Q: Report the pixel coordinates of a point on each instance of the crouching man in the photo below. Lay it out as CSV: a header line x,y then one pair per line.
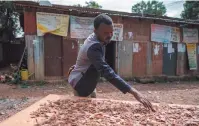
x,y
90,64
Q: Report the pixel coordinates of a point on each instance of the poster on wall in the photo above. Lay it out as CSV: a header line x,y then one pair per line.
x,y
181,47
81,27
160,33
175,34
52,23
156,49
135,47
117,32
170,48
190,35
191,50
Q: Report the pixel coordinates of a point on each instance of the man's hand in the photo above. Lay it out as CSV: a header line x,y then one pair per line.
x,y
141,99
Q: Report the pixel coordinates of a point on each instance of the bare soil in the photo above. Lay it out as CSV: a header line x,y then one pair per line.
x,y
14,98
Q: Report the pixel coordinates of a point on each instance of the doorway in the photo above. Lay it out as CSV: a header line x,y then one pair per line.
x,y
110,54
170,59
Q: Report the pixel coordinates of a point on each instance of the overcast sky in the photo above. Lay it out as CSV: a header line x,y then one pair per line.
x,y
174,7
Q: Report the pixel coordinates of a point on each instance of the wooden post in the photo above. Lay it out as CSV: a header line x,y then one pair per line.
x,y
39,58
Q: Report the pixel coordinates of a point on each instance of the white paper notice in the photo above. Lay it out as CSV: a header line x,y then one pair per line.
x,y
135,47
170,49
156,49
181,47
130,35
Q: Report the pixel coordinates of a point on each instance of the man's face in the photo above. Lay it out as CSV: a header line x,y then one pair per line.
x,y
104,33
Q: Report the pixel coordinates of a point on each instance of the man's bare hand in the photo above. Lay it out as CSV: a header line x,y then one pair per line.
x,y
142,99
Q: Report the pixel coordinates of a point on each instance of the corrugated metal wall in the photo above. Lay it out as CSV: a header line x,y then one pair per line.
x,y
140,31
59,52
125,58
147,61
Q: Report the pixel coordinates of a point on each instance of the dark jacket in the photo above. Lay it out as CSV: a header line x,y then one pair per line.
x,y
90,65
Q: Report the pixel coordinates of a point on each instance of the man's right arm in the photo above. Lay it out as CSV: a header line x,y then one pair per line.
x,y
95,55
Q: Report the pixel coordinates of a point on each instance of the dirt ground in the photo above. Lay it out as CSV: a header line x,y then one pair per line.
x,y
14,98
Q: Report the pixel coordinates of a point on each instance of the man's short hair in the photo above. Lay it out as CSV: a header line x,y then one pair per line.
x,y
102,19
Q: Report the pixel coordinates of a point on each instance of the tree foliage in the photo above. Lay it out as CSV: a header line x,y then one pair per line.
x,y
93,4
78,5
8,19
151,7
90,4
191,10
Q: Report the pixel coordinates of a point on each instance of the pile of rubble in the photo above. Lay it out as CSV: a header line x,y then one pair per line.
x,y
88,112
9,75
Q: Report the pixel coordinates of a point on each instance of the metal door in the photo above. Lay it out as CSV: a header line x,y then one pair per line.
x,y
125,58
53,55
139,59
169,59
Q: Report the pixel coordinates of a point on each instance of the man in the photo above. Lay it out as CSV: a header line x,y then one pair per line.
x,y
90,64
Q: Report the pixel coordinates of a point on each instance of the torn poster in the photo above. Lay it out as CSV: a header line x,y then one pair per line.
x,y
135,47
130,35
156,49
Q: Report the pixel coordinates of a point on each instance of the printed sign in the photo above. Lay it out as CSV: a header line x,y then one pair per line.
x,y
175,34
181,47
52,23
191,50
190,35
160,33
117,32
81,27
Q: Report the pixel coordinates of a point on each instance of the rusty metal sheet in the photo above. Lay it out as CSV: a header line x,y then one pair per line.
x,y
30,27
139,59
140,29
157,58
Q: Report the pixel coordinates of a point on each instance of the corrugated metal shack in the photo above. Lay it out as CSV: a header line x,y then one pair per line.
x,y
145,48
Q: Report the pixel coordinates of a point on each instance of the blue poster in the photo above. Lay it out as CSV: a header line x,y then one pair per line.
x,y
160,33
